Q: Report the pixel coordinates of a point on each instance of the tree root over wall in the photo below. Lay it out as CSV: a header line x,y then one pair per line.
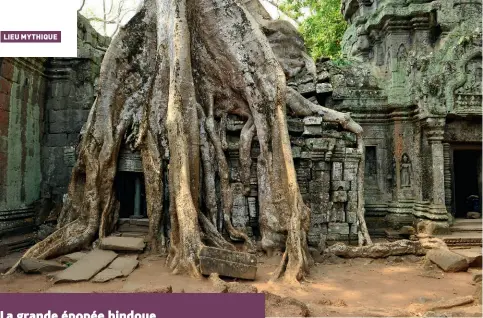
x,y
168,80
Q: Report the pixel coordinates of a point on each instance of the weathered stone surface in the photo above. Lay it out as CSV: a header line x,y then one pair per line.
x,y
32,265
324,88
432,228
472,255
72,258
120,267
447,260
86,267
453,302
130,244
477,277
432,242
228,263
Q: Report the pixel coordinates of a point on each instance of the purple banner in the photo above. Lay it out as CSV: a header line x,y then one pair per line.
x,y
125,305
30,37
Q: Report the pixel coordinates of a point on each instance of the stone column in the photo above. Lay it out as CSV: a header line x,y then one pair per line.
x,y
435,132
137,199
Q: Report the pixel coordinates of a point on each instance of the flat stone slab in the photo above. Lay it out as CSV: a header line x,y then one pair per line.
x,y
120,267
228,263
32,265
448,260
72,257
123,243
86,267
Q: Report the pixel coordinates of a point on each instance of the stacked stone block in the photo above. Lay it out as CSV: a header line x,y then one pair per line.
x,y
326,163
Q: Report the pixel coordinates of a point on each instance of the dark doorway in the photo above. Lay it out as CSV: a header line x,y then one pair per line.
x,y
467,180
125,185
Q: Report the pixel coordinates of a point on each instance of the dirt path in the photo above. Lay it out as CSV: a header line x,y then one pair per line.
x,y
398,286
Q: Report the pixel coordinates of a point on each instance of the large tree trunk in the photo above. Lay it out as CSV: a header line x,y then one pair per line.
x,y
168,81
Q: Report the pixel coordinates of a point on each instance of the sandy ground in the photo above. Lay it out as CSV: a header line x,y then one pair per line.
x,y
397,286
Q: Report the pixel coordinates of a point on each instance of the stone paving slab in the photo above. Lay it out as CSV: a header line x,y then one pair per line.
x,y
123,243
120,267
86,267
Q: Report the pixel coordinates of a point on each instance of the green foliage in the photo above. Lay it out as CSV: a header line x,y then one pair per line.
x,y
320,23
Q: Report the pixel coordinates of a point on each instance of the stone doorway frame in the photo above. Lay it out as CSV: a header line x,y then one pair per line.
x,y
449,171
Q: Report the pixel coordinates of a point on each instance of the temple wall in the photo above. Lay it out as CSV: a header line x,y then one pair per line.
x,y
43,105
22,92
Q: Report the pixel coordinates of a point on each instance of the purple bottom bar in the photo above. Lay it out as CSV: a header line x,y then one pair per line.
x,y
133,305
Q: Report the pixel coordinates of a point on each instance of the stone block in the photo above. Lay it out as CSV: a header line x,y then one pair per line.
x,y
295,125
324,88
340,186
296,152
339,196
313,130
337,171
337,213
432,228
448,260
352,196
306,88
321,166
130,244
472,255
228,263
323,76
313,121
351,216
32,265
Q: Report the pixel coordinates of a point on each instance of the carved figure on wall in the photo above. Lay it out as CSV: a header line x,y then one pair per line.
x,y
406,171
402,56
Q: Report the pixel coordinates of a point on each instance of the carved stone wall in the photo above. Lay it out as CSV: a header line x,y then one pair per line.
x,y
413,79
43,105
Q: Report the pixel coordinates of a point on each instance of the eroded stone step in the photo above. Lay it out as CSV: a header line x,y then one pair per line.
x,y
123,243
467,221
464,238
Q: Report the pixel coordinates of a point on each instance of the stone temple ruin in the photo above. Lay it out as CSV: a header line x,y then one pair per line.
x,y
411,78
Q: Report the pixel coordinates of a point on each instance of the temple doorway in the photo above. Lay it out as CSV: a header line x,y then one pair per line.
x,y
130,192
467,181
